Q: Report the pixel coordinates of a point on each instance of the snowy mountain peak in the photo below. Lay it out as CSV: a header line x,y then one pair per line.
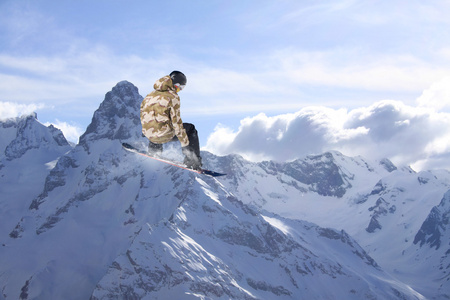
x,y
388,165
117,118
22,134
29,150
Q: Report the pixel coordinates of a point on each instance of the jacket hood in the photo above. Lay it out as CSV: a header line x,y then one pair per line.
x,y
164,84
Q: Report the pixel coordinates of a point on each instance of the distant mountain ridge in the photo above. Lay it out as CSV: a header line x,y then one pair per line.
x,y
20,135
97,222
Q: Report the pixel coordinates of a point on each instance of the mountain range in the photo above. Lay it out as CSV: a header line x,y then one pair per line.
x,y
93,221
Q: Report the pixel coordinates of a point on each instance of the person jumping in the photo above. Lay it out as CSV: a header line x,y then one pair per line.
x,y
161,120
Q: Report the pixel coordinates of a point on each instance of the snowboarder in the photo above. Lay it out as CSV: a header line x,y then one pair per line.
x,y
161,120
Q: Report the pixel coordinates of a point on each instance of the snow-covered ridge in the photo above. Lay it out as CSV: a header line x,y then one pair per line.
x,y
109,224
22,134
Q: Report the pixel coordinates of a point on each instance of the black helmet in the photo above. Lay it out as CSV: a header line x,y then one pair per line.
x,y
178,77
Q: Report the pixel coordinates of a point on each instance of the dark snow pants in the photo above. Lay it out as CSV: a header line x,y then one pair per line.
x,y
194,144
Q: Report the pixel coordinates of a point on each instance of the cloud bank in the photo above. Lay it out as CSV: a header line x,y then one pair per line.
x,y
418,136
13,110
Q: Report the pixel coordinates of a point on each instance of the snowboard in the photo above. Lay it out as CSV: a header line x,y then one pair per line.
x,y
130,148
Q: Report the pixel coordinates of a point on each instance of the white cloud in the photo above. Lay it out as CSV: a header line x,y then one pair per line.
x,y
209,81
283,74
13,110
355,69
69,77
72,132
407,135
437,96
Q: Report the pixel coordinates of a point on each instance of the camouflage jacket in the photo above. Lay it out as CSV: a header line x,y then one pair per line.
x,y
160,114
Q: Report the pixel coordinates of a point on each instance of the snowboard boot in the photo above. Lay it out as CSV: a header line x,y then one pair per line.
x,y
155,150
194,163
191,160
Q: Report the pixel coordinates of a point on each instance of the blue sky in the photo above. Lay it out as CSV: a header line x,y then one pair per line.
x,y
250,65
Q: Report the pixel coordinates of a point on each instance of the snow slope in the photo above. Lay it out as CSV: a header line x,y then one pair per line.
x,y
214,247
28,151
